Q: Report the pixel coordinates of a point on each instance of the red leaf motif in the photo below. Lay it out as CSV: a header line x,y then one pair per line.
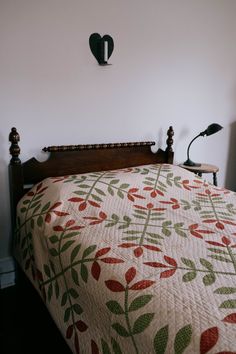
x,y
193,227
150,205
114,285
226,241
102,215
142,284
94,348
138,252
81,326
58,228
152,248
130,274
170,261
156,264
196,234
96,270
153,194
140,207
127,245
96,205
70,223
48,218
111,260
130,197
60,213
209,339
69,332
219,225
176,206
82,206
55,206
76,342
214,243
75,200
230,318
132,190
168,273
147,188
102,251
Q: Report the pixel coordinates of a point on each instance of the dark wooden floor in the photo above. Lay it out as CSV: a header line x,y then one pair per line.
x,y
25,328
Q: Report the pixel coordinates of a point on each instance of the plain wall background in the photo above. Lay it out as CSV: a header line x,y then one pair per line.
x,y
173,64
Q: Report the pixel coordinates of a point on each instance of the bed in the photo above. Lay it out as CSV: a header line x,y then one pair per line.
x,y
129,253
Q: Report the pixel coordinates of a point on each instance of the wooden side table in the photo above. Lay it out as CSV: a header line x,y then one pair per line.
x,y
204,168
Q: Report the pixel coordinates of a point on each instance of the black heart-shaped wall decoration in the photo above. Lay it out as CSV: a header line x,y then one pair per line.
x,y
98,47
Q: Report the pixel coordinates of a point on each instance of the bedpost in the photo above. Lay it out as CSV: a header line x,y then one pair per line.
x,y
15,173
169,143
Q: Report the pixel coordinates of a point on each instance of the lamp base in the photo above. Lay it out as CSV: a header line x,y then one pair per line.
x,y
189,162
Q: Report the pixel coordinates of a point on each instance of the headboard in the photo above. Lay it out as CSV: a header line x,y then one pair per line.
x,y
74,159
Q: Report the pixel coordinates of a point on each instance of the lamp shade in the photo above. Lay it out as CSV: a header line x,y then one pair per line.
x,y
211,129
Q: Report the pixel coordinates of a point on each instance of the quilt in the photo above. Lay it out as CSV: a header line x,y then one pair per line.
x,y
139,260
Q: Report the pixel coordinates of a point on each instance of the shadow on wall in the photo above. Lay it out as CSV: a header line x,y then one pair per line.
x,y
230,180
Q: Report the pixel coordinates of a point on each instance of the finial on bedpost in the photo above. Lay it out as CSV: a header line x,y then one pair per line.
x,y
169,141
14,137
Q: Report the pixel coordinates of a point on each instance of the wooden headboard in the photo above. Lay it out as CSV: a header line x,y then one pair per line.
x,y
75,159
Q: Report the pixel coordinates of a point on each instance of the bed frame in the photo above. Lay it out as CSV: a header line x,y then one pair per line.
x,y
75,159
66,160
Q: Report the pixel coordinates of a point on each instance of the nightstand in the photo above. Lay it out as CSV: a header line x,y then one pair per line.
x,y
204,168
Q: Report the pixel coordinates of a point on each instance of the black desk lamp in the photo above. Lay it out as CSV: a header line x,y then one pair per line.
x,y
211,129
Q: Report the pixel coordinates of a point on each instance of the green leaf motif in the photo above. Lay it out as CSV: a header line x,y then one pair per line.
x,y
53,252
120,330
206,264
161,340
120,194
105,347
64,299
67,245
182,339
115,346
139,302
57,289
47,270
209,279
189,276
73,293
115,307
99,191
84,273
89,250
53,239
50,292
225,290
75,276
40,221
77,308
228,304
188,263
46,206
67,314
142,323
220,258
75,252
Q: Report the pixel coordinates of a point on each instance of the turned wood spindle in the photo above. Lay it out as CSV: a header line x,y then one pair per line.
x,y
14,149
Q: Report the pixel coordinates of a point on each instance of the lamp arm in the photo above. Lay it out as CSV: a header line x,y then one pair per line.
x,y
191,144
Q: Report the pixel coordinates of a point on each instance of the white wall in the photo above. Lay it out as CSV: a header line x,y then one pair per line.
x,y
173,64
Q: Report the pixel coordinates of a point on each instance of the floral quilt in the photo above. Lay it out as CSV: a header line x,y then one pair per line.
x,y
140,260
